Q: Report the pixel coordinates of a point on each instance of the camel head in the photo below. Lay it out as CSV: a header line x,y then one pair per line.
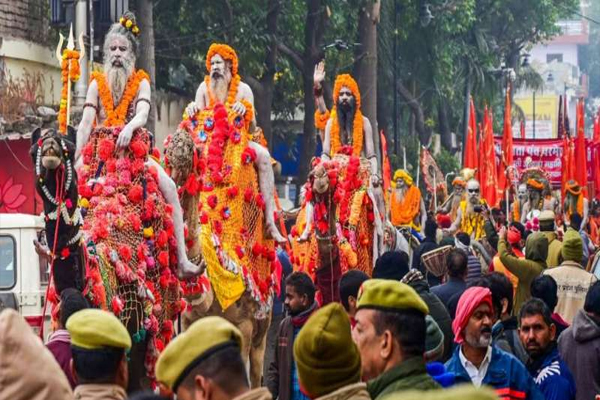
x,y
55,147
179,155
323,177
320,179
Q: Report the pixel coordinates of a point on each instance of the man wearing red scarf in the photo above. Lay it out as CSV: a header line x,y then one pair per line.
x,y
514,237
475,360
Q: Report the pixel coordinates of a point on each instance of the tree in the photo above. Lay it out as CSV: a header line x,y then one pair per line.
x,y
146,62
366,66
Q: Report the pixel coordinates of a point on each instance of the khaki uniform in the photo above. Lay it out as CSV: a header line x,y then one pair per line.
x,y
261,393
100,392
554,248
573,284
355,391
28,371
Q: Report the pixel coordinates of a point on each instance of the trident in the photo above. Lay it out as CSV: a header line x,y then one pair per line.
x,y
70,46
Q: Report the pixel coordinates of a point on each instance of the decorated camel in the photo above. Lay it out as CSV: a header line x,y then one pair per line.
x,y
337,229
224,173
216,173
130,236
339,226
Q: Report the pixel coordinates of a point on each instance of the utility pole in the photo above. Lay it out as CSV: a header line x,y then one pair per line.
x,y
395,76
466,114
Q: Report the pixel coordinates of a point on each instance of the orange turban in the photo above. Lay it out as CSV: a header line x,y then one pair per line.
x,y
225,51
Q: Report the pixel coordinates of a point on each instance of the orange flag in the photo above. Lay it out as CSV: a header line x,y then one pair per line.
x,y
506,158
385,161
471,156
596,157
580,162
488,175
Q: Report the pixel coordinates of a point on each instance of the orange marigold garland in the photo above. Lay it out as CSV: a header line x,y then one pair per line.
x,y
117,116
356,141
70,71
225,51
321,119
535,184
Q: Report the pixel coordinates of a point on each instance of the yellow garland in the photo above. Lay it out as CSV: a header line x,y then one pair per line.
x,y
70,70
348,253
356,207
225,51
321,119
117,116
472,223
347,81
229,285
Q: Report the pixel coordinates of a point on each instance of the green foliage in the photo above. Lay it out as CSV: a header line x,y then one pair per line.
x,y
447,161
467,39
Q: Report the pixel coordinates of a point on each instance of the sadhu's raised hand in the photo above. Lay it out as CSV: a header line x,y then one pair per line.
x,y
319,75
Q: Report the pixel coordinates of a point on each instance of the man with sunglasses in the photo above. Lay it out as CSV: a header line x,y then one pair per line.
x,y
470,217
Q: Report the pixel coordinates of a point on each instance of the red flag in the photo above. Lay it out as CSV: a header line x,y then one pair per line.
x,y
506,157
568,152
487,175
385,161
596,156
580,162
471,156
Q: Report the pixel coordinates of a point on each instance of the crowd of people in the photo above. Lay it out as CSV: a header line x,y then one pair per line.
x,y
526,325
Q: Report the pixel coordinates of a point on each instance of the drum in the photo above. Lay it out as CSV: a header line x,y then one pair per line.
x,y
435,261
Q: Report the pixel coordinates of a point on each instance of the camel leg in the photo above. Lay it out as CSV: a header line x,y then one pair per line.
x,y
257,351
245,327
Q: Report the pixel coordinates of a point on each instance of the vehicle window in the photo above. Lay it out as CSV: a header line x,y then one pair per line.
x,y
8,262
44,265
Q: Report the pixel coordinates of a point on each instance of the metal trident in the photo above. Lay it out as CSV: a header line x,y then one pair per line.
x,y
59,51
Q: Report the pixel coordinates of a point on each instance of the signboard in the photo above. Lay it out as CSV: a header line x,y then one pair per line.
x,y
543,153
546,112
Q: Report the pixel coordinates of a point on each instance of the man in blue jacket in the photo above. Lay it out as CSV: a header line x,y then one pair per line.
x,y
476,361
538,335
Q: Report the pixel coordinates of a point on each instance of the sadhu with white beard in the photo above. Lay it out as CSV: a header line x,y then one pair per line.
x,y
223,84
133,226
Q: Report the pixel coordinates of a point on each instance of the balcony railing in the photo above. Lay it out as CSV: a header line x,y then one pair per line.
x,y
572,28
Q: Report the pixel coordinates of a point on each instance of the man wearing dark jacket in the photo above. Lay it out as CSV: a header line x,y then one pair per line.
x,y
282,376
59,342
579,346
390,266
475,360
390,334
457,276
548,370
428,244
437,310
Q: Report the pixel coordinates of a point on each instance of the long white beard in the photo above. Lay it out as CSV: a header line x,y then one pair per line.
x,y
117,78
219,88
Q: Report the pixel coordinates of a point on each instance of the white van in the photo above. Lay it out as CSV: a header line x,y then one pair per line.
x,y
23,273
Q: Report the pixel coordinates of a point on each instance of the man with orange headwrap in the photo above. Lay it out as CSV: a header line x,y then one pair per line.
x,y
406,203
536,202
458,195
476,360
575,202
345,130
223,84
